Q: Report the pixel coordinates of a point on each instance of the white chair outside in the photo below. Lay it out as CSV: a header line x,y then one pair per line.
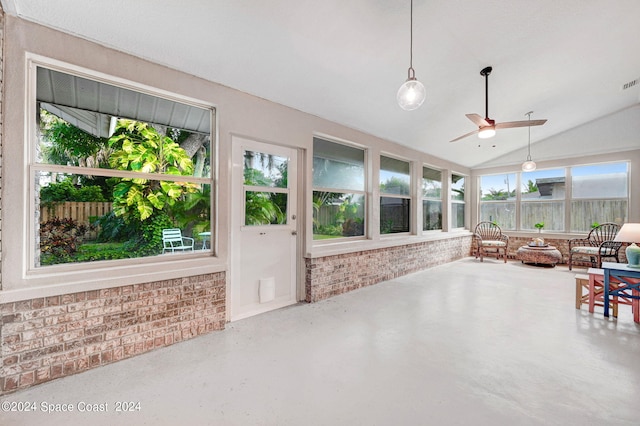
x,y
172,240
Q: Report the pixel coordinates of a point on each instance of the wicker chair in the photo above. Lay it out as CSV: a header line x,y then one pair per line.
x,y
490,241
598,245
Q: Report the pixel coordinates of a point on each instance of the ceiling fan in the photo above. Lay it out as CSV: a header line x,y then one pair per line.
x,y
486,126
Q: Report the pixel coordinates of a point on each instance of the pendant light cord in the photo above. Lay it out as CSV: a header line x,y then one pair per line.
x,y
411,73
529,150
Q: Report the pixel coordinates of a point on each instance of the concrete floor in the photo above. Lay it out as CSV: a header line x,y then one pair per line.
x,y
460,344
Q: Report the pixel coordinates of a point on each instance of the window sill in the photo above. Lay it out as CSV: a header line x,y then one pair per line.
x,y
385,241
103,275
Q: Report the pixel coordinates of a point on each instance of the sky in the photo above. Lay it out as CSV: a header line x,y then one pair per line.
x,y
501,181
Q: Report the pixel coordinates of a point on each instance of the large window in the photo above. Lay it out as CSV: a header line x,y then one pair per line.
x,y
395,195
457,201
543,195
112,167
498,200
599,193
338,190
431,199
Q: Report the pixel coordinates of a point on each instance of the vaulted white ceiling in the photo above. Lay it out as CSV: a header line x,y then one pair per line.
x,y
344,61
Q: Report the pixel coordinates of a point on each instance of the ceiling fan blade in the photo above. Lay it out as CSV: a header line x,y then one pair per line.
x,y
527,123
465,135
477,120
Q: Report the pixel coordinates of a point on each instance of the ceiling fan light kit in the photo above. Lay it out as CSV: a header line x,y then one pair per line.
x,y
486,126
487,132
412,93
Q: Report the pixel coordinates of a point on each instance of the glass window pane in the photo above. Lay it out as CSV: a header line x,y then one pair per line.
x,y
551,213
394,176
337,215
261,169
501,212
265,208
337,166
457,187
457,215
600,181
585,213
431,215
498,187
431,183
89,218
86,123
543,185
394,215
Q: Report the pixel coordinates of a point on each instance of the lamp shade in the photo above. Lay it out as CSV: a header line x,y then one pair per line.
x,y
630,233
528,166
411,94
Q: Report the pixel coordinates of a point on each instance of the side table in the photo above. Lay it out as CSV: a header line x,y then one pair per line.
x,y
628,280
547,255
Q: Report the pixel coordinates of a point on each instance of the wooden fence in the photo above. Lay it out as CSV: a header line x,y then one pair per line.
x,y
78,211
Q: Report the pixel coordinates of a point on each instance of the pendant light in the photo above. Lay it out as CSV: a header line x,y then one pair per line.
x,y
529,165
412,93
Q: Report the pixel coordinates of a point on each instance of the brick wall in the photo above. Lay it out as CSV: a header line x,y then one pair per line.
x,y
332,275
46,338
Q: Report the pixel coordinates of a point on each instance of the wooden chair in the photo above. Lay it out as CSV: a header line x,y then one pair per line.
x,y
598,245
173,240
490,241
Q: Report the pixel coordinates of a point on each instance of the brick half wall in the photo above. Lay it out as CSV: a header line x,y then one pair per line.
x,y
47,338
332,275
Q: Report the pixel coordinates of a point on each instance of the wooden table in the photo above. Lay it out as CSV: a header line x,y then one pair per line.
x,y
546,255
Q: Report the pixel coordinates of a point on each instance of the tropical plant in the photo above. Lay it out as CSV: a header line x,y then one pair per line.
x,y
261,208
139,147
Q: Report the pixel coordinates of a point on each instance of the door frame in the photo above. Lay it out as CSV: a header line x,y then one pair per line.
x,y
236,216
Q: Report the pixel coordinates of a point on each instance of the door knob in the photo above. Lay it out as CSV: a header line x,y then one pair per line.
x,y
294,232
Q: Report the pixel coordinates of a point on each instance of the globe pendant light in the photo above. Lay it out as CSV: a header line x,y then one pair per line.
x,y
412,93
529,165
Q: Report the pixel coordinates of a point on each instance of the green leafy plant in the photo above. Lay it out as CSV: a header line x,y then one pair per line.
x,y
594,225
262,208
539,225
139,147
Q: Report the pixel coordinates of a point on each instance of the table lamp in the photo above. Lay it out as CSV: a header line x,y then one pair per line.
x,y
630,233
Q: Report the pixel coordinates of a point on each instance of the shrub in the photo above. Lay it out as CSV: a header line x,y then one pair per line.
x,y
60,239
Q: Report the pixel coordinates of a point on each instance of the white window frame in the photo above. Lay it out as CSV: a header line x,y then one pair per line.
x,y
362,192
424,198
454,202
410,197
21,276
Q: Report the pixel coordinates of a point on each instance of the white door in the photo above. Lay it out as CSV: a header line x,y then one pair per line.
x,y
264,230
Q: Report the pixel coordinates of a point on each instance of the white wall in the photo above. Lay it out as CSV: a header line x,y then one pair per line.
x,y
238,113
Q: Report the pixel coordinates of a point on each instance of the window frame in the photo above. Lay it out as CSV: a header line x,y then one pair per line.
x,y
424,198
453,202
567,200
345,191
408,197
23,275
